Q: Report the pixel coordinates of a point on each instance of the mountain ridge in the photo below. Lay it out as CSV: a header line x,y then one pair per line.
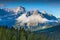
x,y
21,16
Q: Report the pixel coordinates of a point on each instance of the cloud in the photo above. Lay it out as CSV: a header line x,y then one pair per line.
x,y
2,5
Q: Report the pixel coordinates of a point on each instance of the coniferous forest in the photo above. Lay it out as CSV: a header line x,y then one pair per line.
x,y
12,34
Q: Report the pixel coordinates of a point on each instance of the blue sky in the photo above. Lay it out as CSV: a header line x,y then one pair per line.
x,y
49,7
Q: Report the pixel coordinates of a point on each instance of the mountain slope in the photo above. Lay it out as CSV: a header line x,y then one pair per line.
x,y
9,17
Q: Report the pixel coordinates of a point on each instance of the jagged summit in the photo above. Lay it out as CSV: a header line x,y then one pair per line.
x,y
35,11
20,8
19,15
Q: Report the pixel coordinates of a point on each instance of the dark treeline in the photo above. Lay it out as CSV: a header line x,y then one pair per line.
x,y
12,34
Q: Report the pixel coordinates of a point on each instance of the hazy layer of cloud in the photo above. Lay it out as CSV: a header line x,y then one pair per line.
x,y
2,5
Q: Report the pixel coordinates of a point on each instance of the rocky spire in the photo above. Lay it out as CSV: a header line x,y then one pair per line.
x,y
19,9
35,11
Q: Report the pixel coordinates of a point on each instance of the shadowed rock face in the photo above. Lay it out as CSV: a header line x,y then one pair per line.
x,y
3,12
7,18
49,17
59,20
12,16
43,14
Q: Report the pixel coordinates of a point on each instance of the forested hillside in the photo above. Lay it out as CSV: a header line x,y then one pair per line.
x,y
12,34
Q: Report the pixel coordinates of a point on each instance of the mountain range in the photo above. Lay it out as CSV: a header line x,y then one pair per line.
x,y
33,19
